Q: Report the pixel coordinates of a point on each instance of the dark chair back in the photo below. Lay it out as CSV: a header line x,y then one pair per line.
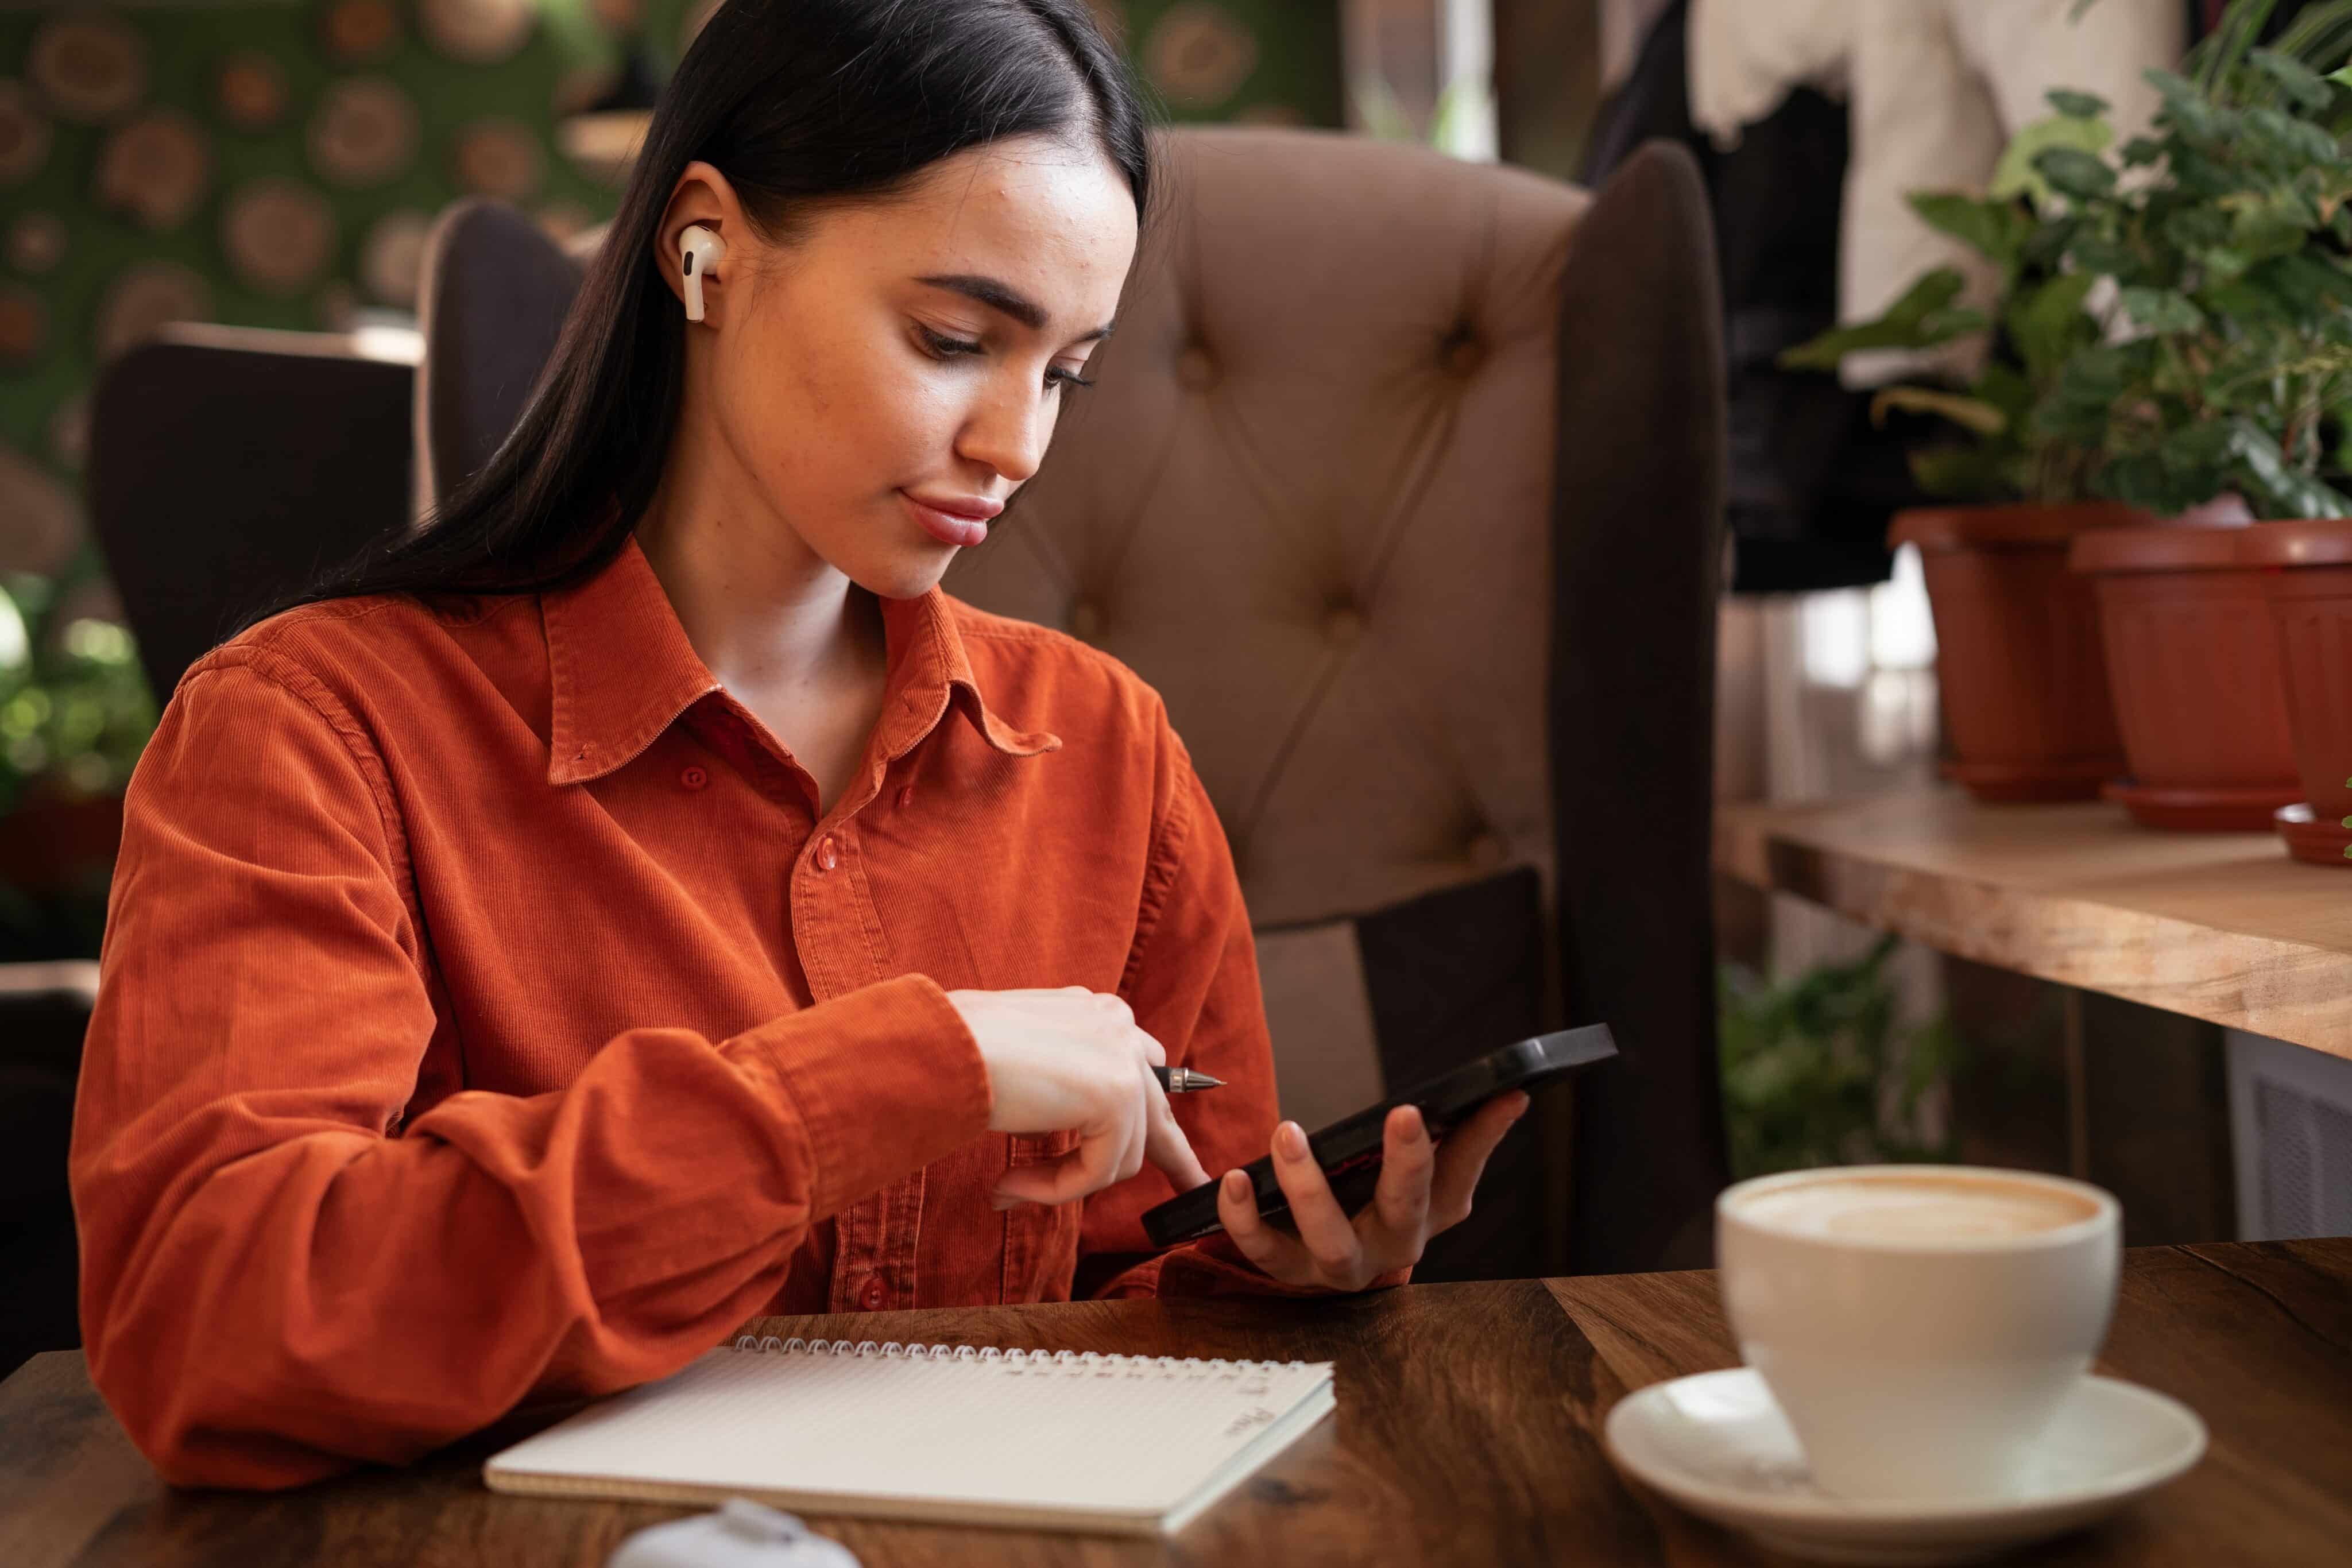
x,y
494,292
227,465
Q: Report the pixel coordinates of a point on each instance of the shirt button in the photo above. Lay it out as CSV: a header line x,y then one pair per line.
x,y
826,857
694,777
873,1295
906,797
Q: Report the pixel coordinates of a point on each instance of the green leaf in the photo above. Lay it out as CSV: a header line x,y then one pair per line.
x,y
1954,472
2161,310
2195,228
2077,105
1924,318
2186,109
2289,492
2259,230
2103,257
2297,80
2048,323
1994,229
2074,172
2004,387
2303,285
1972,413
2142,151
2015,174
2223,263
2280,139
2044,251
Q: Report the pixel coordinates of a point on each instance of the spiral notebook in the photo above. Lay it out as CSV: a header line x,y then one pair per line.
x,y
957,1434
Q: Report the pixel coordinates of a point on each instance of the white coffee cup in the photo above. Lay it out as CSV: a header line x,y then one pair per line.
x,y
1917,1324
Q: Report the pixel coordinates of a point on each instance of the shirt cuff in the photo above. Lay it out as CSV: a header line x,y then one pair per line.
x,y
887,1079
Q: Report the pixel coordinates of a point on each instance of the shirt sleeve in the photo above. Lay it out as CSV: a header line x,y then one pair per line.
x,y
1191,978
274,1286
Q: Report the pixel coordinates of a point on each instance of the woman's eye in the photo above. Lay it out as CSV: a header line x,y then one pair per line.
x,y
942,347
945,347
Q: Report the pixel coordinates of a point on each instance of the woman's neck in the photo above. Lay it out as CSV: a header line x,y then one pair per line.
x,y
767,615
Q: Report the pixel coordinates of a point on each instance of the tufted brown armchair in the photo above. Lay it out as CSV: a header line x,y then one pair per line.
x,y
1401,482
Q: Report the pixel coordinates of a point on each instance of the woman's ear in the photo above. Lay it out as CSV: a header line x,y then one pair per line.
x,y
691,242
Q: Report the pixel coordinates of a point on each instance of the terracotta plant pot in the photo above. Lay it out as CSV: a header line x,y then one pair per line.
x,y
2024,677
2306,570
2194,666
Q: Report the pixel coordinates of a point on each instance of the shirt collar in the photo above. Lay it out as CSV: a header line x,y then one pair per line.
x,y
620,671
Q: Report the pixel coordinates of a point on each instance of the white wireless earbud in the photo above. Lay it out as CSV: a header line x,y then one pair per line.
x,y
698,250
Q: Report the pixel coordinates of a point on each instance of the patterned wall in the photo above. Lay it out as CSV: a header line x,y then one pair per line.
x,y
275,163
269,165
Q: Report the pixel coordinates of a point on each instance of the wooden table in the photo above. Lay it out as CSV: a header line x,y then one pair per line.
x,y
2221,927
1468,1432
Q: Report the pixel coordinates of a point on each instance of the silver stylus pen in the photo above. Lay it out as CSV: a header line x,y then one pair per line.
x,y
1184,1081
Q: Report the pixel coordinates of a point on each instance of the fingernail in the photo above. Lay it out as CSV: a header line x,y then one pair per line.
x,y
1292,1141
1522,1108
1237,1184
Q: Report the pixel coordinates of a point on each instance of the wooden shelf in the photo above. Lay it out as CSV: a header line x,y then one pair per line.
x,y
2221,927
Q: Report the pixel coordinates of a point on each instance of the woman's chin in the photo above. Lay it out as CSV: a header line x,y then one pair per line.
x,y
906,573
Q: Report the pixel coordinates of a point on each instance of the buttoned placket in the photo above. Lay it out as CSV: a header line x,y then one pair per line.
x,y
837,931
602,719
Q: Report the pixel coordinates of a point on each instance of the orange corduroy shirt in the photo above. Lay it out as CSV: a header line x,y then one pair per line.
x,y
487,1014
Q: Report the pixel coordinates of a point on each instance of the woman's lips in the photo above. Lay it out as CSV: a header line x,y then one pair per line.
x,y
948,528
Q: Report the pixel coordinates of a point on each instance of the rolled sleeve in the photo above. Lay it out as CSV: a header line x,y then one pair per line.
x,y
274,1288
897,1054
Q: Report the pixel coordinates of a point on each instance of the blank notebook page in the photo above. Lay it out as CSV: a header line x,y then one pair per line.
x,y
1130,1444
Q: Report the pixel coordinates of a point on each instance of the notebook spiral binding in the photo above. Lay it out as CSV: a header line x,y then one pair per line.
x,y
1071,1362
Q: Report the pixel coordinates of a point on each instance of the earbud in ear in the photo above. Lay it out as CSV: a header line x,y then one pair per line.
x,y
698,250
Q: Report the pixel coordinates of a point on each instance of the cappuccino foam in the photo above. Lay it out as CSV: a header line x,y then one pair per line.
x,y
1914,1210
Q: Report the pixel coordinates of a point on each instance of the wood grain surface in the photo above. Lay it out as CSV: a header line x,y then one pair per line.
x,y
1468,1432
2220,927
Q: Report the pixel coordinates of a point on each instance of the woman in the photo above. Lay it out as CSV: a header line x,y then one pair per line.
x,y
642,900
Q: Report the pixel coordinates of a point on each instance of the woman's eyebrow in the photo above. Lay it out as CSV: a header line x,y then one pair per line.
x,y
1000,296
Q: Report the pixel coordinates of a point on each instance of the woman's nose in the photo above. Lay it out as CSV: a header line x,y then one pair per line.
x,y
1008,432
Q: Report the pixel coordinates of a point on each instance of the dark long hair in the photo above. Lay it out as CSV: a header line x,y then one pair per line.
x,y
795,102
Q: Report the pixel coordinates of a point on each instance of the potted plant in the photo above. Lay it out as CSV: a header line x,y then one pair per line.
x,y
75,713
2020,662
2225,367
1817,1070
2305,570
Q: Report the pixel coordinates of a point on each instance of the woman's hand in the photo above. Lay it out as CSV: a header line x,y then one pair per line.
x,y
1423,1188
1074,1060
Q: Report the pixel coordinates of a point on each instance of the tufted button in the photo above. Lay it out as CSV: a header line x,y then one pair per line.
x,y
1196,371
1086,620
826,857
906,797
874,1294
1462,352
694,777
1488,851
1343,624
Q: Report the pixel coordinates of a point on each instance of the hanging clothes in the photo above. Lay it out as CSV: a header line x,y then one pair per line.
x,y
1811,483
1935,90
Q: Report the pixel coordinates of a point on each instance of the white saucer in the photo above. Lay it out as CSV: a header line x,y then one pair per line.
x,y
1717,1445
